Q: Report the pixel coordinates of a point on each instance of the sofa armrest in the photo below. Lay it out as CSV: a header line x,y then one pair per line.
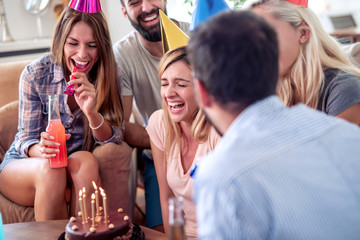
x,y
8,126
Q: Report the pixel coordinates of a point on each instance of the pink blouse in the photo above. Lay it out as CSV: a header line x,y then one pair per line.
x,y
179,181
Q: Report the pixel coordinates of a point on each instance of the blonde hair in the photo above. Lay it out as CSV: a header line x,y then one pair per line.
x,y
200,127
305,81
104,73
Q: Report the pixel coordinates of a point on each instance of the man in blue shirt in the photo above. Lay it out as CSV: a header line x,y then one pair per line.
x,y
278,172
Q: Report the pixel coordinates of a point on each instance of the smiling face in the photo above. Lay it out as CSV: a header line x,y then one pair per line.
x,y
144,17
177,92
80,48
288,38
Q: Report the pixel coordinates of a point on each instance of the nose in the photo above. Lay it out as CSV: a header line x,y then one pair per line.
x,y
170,91
146,6
82,52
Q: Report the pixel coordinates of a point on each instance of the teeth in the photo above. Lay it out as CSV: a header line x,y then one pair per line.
x,y
147,19
174,104
80,63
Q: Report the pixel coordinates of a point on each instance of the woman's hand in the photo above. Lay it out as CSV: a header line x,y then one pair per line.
x,y
85,94
47,147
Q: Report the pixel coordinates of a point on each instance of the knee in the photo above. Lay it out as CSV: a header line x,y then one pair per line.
x,y
82,160
50,178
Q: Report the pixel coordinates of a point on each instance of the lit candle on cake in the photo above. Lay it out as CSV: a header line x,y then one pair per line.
x,y
93,209
81,207
104,203
85,209
96,199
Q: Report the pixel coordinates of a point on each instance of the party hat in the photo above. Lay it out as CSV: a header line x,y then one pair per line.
x,y
88,6
205,9
303,3
171,35
2,236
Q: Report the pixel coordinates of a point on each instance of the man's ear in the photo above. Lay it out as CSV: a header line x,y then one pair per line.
x,y
202,95
304,32
124,12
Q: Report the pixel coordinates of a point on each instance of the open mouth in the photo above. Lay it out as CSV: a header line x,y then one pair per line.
x,y
150,18
81,66
176,106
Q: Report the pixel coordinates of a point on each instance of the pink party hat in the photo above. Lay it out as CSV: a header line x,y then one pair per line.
x,y
88,6
303,3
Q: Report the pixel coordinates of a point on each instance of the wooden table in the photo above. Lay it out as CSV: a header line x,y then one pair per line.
x,y
51,230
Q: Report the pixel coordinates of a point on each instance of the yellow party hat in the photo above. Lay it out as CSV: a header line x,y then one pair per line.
x,y
171,35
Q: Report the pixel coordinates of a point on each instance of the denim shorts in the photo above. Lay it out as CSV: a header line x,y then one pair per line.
x,y
10,156
152,196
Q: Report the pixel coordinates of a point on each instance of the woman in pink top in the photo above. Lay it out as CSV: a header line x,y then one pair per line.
x,y
180,135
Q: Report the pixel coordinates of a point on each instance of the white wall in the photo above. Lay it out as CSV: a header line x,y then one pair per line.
x,y
118,24
22,25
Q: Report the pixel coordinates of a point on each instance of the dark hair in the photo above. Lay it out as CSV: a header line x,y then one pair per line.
x,y
235,55
122,3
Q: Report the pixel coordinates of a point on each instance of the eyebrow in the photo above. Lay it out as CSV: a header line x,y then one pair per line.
x,y
176,79
74,39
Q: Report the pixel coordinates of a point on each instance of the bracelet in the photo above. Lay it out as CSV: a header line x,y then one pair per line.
x,y
102,122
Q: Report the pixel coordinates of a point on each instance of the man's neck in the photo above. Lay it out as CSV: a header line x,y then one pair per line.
x,y
154,48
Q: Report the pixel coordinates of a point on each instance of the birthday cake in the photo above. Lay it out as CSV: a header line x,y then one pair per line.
x,y
117,227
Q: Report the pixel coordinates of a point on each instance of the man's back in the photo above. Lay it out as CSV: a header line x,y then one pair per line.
x,y
285,174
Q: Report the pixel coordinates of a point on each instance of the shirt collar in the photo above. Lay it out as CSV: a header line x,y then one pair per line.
x,y
58,73
254,112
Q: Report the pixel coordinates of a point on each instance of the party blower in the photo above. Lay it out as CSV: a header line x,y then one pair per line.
x,y
70,88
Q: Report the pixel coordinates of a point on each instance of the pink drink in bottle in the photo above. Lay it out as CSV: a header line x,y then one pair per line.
x,y
57,130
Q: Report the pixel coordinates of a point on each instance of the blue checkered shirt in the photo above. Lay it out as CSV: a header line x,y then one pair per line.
x,y
38,80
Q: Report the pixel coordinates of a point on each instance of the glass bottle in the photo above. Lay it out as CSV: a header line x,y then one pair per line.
x,y
57,130
176,219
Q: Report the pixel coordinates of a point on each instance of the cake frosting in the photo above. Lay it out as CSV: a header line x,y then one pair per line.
x,y
118,227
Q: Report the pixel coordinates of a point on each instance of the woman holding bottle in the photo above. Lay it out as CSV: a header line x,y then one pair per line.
x,y
180,136
91,116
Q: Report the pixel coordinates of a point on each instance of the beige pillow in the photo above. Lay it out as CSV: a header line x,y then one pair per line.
x,y
353,50
8,126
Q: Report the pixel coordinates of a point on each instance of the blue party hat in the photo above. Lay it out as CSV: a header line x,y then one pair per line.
x,y
205,9
2,236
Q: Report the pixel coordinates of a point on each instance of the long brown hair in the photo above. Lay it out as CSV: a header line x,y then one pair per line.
x,y
200,127
103,75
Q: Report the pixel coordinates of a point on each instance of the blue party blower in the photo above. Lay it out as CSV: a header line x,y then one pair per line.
x,y
2,236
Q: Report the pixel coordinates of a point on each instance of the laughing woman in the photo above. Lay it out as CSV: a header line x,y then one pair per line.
x,y
92,116
313,68
180,136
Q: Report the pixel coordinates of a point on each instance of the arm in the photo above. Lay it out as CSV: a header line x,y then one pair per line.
x,y
85,96
135,135
351,114
164,189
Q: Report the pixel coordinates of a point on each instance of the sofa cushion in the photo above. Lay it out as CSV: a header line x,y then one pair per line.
x,y
9,80
14,213
8,126
353,50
